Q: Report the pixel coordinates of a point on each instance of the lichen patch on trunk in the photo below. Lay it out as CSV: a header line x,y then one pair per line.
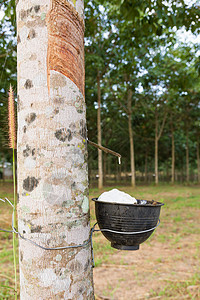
x,y
49,278
30,183
85,205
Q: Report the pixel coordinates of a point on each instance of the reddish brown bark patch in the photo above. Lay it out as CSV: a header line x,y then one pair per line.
x,y
65,43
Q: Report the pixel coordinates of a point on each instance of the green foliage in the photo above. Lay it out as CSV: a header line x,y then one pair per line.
x,y
131,44
161,72
155,16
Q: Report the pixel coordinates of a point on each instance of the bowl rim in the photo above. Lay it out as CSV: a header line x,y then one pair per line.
x,y
149,203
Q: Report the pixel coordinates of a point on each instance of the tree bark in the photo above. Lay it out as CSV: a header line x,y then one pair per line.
x,y
132,156
100,161
53,208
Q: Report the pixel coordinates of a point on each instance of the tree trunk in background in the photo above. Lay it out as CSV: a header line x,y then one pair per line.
x,y
100,161
53,206
198,161
132,156
158,133
173,155
187,158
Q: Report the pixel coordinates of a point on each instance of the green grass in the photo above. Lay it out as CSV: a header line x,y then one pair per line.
x,y
6,253
179,229
188,287
6,292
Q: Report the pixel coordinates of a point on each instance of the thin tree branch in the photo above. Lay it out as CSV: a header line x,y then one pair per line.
x,y
162,126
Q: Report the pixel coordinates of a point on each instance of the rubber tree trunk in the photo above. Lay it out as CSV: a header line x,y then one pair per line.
x,y
100,161
132,156
53,208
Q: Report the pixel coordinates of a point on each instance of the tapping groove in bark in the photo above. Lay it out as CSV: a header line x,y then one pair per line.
x,y
65,43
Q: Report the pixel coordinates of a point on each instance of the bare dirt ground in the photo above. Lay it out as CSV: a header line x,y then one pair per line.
x,y
144,273
165,267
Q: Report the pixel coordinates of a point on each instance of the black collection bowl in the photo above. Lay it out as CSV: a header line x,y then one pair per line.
x,y
127,218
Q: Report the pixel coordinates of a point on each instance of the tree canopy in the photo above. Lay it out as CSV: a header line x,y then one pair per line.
x,y
132,45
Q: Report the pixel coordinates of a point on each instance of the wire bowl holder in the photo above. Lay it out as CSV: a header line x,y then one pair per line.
x,y
124,225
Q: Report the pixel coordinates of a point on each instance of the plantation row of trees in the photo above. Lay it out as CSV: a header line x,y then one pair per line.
x,y
142,93
142,88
